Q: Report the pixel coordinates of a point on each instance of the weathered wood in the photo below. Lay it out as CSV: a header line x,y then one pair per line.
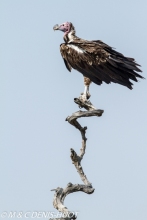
x,y
84,104
60,193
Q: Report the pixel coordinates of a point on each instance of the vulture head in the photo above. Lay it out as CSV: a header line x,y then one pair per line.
x,y
66,27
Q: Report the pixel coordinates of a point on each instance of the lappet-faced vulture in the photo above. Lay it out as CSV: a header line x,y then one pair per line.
x,y
97,61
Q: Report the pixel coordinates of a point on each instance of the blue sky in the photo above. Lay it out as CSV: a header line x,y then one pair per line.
x,y
37,95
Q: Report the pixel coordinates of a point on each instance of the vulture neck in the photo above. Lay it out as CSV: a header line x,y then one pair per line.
x,y
69,37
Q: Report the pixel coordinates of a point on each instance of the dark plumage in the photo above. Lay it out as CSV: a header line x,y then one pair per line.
x,y
96,60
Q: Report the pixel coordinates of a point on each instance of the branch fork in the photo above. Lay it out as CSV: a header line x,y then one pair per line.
x,y
60,193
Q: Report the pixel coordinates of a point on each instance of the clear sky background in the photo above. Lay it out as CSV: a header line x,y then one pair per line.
x,y
36,95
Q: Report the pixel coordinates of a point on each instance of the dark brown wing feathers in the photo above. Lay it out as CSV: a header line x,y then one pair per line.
x,y
100,62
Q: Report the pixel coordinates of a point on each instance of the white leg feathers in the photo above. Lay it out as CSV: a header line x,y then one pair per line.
x,y
86,95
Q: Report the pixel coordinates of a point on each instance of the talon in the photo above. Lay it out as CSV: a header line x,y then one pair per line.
x,y
83,97
88,95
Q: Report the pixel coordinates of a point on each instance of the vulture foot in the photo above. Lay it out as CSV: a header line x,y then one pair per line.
x,y
88,95
83,97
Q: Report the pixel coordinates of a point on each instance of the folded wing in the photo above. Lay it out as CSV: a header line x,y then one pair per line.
x,y
100,62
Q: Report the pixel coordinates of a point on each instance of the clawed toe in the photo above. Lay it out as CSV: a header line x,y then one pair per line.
x,y
88,95
83,97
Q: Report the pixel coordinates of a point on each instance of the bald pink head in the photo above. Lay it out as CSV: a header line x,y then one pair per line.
x,y
65,27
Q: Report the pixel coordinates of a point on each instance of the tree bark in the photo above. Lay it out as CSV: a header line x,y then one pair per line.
x,y
60,193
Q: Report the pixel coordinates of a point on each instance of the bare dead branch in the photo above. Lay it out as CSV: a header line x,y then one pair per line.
x,y
84,104
61,193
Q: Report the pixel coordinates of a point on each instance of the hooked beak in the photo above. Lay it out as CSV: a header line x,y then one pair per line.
x,y
56,27
53,189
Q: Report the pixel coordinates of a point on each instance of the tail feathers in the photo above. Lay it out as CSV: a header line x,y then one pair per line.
x,y
126,68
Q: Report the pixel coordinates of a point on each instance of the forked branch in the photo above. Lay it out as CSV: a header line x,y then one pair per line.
x,y
61,193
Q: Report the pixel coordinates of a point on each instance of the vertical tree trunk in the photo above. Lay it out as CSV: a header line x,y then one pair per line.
x,y
60,193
